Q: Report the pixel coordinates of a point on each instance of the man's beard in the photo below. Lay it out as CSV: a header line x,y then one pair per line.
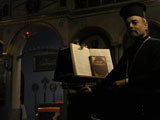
x,y
133,34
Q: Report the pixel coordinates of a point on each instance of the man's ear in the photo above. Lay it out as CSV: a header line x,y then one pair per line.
x,y
146,24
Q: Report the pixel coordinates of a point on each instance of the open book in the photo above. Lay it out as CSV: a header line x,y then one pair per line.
x,y
90,62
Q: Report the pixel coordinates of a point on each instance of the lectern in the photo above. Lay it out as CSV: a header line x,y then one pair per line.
x,y
64,73
64,69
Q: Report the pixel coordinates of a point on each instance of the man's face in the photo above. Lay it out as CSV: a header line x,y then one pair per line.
x,y
136,26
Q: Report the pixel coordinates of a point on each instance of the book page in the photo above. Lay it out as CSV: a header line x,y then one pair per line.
x,y
103,52
80,60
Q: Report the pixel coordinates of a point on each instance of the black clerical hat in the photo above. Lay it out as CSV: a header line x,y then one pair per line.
x,y
133,9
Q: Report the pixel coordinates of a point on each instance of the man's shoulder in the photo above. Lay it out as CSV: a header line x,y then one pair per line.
x,y
155,39
154,43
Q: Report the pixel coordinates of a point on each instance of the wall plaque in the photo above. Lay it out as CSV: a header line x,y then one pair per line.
x,y
44,62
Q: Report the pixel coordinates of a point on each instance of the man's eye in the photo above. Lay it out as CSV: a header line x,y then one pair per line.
x,y
134,22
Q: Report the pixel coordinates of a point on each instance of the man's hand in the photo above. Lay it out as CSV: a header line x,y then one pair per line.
x,y
121,83
86,89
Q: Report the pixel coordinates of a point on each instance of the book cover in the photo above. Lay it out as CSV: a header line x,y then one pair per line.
x,y
99,66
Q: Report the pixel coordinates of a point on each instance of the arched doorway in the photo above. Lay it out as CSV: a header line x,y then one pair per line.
x,y
44,40
94,37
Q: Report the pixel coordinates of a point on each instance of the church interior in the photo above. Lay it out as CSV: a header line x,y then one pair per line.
x,y
32,32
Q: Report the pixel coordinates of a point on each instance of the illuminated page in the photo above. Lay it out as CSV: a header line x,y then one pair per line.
x,y
80,60
103,52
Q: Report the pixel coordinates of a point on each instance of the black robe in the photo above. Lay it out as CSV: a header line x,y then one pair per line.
x,y
139,98
142,68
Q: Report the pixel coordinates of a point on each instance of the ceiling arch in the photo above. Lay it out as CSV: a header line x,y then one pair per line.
x,y
18,39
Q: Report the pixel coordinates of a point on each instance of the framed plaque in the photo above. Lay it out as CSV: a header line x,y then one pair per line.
x,y
44,62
